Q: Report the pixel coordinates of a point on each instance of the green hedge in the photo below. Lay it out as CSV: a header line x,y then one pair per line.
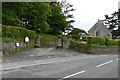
x,y
96,40
102,41
48,38
115,42
89,49
80,46
17,32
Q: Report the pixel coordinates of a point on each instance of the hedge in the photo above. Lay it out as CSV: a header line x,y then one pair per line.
x,y
102,41
96,40
89,49
80,46
17,32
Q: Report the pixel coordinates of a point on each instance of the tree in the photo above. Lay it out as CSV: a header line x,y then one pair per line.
x,y
25,14
113,22
56,20
42,17
75,33
67,8
9,16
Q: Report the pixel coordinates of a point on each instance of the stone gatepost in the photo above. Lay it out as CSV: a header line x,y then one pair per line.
x,y
68,41
37,42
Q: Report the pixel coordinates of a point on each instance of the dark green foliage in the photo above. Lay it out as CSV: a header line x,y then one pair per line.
x,y
67,8
75,33
102,41
96,40
42,17
56,20
17,32
114,42
17,13
75,37
81,47
89,49
107,42
89,40
9,18
113,22
37,45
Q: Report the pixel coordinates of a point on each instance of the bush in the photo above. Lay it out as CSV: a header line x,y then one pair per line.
x,y
89,40
107,42
48,38
98,40
37,45
80,46
16,32
75,37
102,41
114,42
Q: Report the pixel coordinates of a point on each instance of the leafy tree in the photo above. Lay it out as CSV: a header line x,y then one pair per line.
x,y
75,33
28,15
56,20
67,8
44,17
113,22
9,17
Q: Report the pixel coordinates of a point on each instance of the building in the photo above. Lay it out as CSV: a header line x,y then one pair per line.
x,y
100,30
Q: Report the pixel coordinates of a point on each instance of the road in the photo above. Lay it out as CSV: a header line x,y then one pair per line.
x,y
78,66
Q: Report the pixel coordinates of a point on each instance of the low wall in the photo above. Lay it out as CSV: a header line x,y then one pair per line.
x,y
85,48
109,50
10,47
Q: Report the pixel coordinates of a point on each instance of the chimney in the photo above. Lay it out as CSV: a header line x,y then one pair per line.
x,y
99,20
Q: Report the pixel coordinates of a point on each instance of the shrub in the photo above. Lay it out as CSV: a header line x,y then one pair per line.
x,y
107,42
98,40
89,40
114,42
17,32
80,46
37,45
102,41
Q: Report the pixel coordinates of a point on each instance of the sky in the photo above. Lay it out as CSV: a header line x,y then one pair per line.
x,y
89,11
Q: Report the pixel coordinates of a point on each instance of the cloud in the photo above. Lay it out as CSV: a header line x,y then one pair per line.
x,y
89,11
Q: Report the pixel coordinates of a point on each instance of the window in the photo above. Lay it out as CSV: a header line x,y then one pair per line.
x,y
98,32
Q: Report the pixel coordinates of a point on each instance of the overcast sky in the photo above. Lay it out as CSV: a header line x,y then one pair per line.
x,y
89,11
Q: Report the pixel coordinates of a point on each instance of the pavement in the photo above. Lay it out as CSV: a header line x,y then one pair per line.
x,y
59,63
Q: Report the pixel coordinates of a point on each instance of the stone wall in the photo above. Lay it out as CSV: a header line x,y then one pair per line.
x,y
10,47
107,50
85,48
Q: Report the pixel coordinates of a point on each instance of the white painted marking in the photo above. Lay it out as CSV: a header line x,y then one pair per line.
x,y
104,63
73,74
117,59
42,63
31,55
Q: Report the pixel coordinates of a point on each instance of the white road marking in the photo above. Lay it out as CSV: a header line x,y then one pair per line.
x,y
42,63
73,74
104,63
117,59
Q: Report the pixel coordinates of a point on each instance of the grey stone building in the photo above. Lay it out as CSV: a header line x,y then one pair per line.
x,y
100,30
